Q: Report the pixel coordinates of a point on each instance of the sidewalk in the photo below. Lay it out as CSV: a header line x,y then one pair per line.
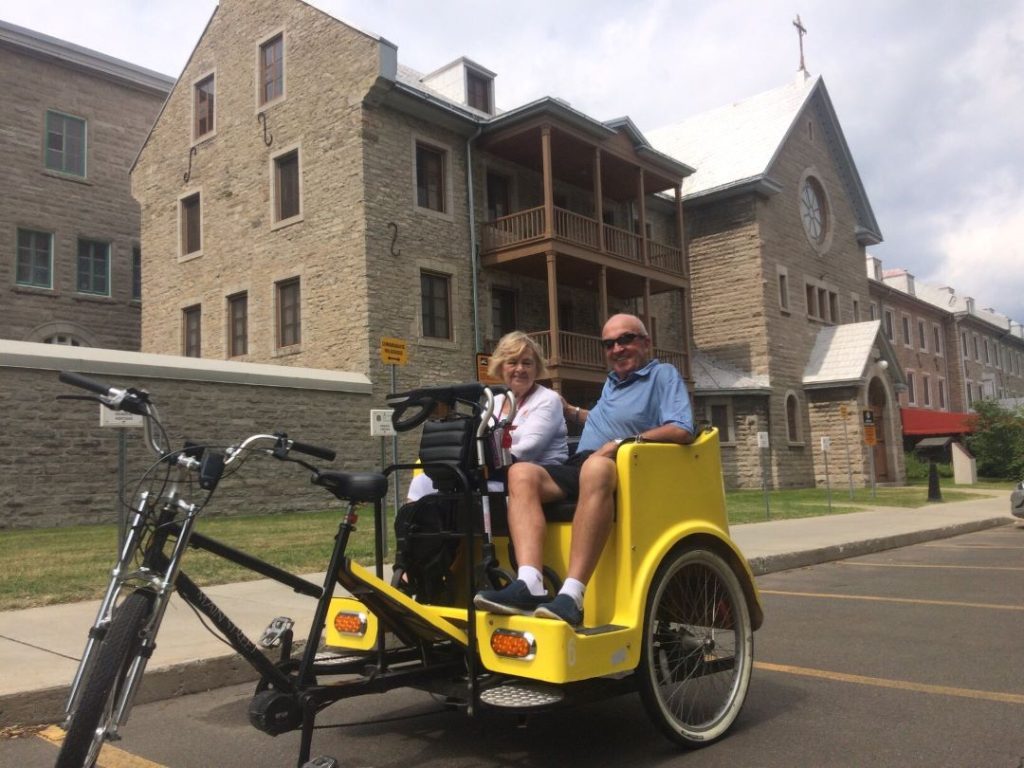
x,y
39,647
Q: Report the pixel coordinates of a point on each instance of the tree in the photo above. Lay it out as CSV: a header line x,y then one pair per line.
x,y
998,440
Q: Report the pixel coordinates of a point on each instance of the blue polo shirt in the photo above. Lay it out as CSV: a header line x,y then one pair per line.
x,y
650,397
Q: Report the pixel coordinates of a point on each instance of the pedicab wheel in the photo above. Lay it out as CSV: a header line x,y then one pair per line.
x,y
698,647
86,730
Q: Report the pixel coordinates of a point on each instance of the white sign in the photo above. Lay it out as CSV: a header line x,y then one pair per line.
x,y
109,418
762,439
826,443
380,422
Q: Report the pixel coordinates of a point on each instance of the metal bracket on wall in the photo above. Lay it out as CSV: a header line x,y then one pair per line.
x,y
188,173
268,137
394,239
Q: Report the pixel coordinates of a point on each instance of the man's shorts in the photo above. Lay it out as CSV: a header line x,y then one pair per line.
x,y
567,475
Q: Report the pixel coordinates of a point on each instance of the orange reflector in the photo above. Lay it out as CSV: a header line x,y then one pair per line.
x,y
512,644
350,623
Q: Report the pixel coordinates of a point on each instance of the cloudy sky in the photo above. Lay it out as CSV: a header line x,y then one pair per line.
x,y
930,93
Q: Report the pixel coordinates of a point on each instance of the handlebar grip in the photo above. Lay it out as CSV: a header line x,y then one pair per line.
x,y
78,380
313,450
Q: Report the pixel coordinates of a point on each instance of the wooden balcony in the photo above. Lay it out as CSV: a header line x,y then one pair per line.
x,y
529,226
581,356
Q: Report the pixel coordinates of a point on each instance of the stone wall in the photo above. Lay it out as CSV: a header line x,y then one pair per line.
x,y
58,467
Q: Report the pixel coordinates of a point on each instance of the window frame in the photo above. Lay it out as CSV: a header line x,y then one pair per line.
x,y
889,325
487,83
192,330
92,271
279,79
288,330
729,436
782,283
444,169
63,169
937,339
905,330
136,287
32,265
922,335
277,160
911,387
446,281
940,384
209,111
926,391
234,338
794,424
184,220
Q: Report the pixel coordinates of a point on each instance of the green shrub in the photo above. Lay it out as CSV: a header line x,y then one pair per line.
x,y
917,468
998,440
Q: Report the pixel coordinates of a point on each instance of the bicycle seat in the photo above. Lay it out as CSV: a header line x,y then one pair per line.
x,y
353,486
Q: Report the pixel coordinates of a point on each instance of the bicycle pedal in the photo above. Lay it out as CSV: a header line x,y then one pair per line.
x,y
321,762
271,636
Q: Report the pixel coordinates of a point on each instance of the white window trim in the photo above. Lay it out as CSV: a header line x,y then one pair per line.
x,y
448,213
729,415
937,340
912,385
908,337
922,333
926,393
183,257
276,223
892,314
940,389
197,140
260,106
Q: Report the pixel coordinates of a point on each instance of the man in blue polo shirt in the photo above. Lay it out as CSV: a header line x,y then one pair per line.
x,y
642,400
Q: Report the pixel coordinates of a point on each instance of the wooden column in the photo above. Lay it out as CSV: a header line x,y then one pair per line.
x,y
681,230
642,214
556,354
647,304
598,201
602,288
549,182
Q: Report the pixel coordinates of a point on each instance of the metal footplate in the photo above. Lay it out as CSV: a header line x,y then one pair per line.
x,y
522,695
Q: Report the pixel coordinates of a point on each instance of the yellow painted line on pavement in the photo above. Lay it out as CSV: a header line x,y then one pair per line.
x,y
949,567
900,685
110,756
879,599
970,546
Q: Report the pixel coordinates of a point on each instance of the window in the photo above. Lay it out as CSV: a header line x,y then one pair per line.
x,y
430,181
792,418
942,393
822,304
987,360
238,324
963,343
191,225
783,289
503,312
872,311
922,338
478,91
272,69
93,267
63,339
970,395
937,339
289,319
286,186
436,305
890,321
855,302
35,259
905,328
136,273
191,331
977,355
720,418
202,107
813,210
65,144
926,393
911,393
499,198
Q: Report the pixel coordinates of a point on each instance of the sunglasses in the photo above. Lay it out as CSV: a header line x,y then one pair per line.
x,y
623,340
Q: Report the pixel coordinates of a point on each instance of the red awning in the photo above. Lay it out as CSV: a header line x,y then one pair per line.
x,y
921,421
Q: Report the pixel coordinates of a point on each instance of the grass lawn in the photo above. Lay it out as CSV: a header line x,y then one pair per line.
x,y
59,565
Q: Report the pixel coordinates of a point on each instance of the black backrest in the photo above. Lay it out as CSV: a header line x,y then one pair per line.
x,y
446,444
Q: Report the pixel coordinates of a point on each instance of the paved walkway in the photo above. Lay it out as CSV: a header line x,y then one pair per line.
x,y
39,647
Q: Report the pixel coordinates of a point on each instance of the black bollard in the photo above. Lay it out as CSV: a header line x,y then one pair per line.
x,y
934,492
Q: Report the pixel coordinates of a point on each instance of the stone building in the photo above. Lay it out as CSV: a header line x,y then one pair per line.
x,y
305,196
777,222
73,121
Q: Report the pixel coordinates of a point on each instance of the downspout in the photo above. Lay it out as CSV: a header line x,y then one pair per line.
x,y
477,347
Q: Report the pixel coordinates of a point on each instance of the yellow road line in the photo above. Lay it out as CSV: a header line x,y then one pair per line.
x,y
902,685
110,756
969,546
879,599
950,567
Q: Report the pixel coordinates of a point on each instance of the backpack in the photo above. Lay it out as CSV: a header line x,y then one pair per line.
x,y
425,549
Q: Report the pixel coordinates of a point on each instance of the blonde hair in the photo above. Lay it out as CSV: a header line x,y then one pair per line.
x,y
512,345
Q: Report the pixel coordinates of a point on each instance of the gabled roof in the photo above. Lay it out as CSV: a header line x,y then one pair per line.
x,y
842,353
713,377
734,148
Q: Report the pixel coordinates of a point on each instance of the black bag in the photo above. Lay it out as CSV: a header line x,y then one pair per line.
x,y
425,548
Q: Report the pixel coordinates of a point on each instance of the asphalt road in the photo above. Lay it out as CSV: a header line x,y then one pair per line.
x,y
911,657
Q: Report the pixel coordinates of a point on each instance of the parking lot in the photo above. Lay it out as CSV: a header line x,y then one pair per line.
x,y
908,657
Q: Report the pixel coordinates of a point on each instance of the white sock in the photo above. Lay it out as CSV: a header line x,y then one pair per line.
x,y
574,589
533,578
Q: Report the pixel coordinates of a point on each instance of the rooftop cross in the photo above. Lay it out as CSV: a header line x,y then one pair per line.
x,y
801,30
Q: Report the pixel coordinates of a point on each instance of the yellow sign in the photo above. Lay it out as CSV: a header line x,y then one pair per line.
x,y
843,411
483,360
870,438
393,351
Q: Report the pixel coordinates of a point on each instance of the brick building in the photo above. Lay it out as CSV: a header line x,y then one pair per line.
x,y
304,196
73,121
777,226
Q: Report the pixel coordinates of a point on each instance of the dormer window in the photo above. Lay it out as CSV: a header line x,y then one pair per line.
x,y
478,91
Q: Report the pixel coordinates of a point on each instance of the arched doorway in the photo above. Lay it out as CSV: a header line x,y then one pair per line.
x,y
878,402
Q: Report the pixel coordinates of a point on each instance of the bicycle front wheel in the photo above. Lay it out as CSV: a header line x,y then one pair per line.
x,y
88,724
698,647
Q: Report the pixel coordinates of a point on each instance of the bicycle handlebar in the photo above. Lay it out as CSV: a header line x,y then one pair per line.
x,y
316,451
84,382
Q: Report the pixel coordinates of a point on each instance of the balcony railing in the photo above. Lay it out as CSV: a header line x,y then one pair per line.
x,y
530,225
583,351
